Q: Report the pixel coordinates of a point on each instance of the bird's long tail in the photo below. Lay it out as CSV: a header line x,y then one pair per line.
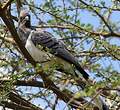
x,y
81,70
66,55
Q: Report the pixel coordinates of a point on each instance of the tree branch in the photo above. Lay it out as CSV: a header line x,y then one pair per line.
x,y
7,4
15,106
20,101
100,16
49,85
16,102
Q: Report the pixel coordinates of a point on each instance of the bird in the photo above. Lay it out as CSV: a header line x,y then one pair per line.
x,y
43,46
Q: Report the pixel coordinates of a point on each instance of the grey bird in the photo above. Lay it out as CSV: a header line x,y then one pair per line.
x,y
58,52
32,37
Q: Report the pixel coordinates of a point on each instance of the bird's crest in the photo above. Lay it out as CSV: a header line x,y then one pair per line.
x,y
24,13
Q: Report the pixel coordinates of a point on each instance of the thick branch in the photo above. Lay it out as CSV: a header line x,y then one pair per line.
x,y
8,3
62,95
20,101
24,83
104,34
15,106
16,102
48,84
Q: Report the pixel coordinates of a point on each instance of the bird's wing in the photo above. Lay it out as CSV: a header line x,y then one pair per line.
x,y
57,48
46,39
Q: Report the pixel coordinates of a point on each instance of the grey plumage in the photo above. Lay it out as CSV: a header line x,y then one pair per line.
x,y
57,48
47,40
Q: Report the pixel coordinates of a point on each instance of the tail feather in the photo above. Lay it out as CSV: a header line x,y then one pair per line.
x,y
81,70
66,55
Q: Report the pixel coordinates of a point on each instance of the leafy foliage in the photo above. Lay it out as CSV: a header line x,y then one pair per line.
x,y
90,32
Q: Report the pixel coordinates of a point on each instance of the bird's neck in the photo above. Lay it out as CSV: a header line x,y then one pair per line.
x,y
25,29
24,33
28,24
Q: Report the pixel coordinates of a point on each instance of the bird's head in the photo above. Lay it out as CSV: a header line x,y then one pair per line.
x,y
24,19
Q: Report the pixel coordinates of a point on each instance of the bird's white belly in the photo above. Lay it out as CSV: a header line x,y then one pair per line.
x,y
46,59
37,54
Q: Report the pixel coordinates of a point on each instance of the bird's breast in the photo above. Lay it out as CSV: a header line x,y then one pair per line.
x,y
37,54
